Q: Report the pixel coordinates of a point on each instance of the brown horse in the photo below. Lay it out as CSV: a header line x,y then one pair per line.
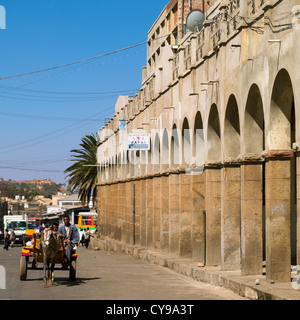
x,y
51,243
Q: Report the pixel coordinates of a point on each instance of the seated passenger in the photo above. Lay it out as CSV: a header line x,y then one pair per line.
x,y
70,235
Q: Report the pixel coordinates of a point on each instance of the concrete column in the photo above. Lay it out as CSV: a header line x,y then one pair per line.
x,y
156,212
104,213
100,210
123,211
198,207
110,199
114,210
131,212
143,213
164,199
149,212
185,216
251,215
137,240
278,205
174,213
119,212
231,216
127,211
213,214
298,208
109,211
106,210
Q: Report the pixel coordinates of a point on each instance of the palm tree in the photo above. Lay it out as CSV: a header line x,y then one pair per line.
x,y
83,173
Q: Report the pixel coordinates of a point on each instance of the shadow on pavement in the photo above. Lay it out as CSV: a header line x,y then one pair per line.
x,y
59,281
79,281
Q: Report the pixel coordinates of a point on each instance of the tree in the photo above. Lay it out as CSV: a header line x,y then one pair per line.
x,y
83,173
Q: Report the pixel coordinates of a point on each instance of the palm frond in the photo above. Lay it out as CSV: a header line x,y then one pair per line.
x,y
82,173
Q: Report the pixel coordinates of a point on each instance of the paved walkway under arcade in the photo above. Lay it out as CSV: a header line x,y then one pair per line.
x,y
245,286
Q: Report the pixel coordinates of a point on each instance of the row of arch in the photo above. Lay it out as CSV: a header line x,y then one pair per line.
x,y
192,144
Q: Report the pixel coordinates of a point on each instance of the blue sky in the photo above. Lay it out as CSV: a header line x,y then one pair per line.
x,y
42,115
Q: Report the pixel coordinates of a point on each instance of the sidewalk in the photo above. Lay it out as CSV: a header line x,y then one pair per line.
x,y
232,280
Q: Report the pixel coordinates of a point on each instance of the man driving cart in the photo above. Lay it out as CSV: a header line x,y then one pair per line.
x,y
70,236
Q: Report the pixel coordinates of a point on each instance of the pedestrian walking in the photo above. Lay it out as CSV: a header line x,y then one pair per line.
x,y
82,240
1,235
87,237
12,238
6,240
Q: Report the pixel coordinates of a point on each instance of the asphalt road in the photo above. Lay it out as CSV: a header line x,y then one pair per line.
x,y
106,276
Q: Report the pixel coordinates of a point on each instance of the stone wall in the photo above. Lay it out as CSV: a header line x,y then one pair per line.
x,y
220,184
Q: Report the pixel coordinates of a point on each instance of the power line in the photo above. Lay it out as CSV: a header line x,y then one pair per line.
x,y
73,63
40,117
30,169
86,60
65,100
69,93
62,130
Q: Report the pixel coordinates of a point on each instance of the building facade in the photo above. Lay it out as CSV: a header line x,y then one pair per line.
x,y
220,183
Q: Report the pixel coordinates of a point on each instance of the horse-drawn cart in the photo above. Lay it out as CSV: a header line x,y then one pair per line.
x,y
32,255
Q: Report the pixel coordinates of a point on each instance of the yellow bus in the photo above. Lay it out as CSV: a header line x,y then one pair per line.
x,y
87,220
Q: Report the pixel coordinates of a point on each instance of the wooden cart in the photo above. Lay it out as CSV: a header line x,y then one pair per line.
x,y
32,255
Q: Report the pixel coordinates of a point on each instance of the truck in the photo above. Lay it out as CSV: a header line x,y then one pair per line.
x,y
19,224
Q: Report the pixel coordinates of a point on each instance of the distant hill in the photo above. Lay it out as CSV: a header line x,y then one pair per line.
x,y
30,188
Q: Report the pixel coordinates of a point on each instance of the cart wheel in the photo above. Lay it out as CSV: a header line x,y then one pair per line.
x,y
23,268
72,273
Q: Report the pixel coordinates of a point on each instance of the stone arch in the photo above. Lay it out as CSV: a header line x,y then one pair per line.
x,y
106,170
137,162
282,113
131,161
119,166
232,142
102,171
156,153
148,158
127,161
124,164
186,145
254,124
282,136
143,161
109,170
165,150
253,236
213,135
115,167
175,148
198,148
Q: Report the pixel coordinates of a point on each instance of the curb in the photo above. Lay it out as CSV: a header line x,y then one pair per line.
x,y
232,280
